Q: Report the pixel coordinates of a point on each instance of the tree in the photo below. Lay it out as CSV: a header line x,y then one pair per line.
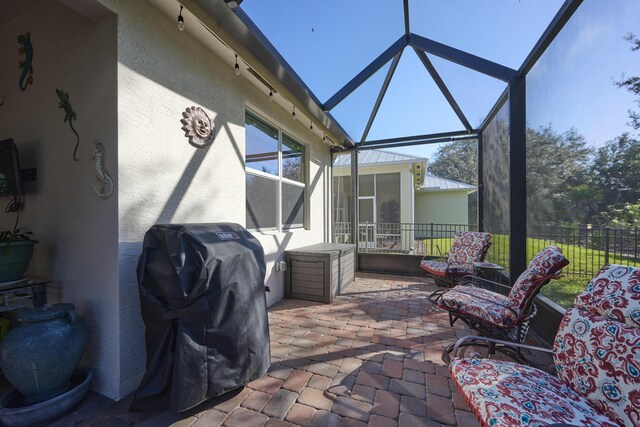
x,y
558,177
616,172
632,84
458,161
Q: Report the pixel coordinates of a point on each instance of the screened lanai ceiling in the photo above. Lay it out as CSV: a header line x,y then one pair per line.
x,y
330,42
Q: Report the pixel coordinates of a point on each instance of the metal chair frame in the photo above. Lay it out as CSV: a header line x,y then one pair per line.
x,y
449,281
515,334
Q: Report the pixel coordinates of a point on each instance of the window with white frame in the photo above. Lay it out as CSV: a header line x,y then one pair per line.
x,y
275,177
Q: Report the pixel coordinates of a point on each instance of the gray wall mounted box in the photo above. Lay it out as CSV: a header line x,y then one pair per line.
x,y
319,272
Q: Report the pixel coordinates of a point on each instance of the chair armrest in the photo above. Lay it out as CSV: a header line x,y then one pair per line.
x,y
473,281
476,338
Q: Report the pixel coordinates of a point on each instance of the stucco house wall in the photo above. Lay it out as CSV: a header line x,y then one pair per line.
x,y
130,75
161,71
77,230
442,207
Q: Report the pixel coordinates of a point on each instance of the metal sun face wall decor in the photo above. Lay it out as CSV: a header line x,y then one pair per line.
x,y
197,127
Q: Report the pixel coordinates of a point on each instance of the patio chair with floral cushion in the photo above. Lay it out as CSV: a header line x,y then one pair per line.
x,y
467,247
494,314
596,354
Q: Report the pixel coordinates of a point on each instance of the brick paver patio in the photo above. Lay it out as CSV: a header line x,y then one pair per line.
x,y
370,358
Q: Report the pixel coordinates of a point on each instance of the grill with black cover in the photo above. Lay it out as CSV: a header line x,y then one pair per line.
x,y
202,298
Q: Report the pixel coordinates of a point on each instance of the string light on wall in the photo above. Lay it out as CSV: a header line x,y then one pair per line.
x,y
180,19
272,91
237,67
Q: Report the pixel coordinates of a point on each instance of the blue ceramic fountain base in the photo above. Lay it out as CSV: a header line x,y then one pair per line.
x,y
14,412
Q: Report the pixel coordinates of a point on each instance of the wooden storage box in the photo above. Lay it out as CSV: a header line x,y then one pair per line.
x,y
319,272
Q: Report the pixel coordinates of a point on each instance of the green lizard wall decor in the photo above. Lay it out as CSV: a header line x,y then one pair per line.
x,y
69,116
26,49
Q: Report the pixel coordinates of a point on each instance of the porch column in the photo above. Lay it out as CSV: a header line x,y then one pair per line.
x,y
517,177
480,190
354,204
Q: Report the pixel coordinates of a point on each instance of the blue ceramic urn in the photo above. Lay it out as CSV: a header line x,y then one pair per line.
x,y
39,355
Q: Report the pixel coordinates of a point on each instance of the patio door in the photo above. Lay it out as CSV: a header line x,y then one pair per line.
x,y
367,223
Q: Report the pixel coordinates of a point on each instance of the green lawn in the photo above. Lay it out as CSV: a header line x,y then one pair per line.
x,y
584,263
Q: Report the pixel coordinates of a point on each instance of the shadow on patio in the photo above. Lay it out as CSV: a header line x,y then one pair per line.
x,y
372,357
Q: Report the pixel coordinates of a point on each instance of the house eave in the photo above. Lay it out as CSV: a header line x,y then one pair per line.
x,y
240,34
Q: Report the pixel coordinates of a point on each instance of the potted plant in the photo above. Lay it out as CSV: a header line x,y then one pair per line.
x,y
16,249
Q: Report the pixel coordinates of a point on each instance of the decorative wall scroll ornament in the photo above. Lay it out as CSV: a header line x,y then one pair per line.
x,y
69,116
105,187
197,127
26,49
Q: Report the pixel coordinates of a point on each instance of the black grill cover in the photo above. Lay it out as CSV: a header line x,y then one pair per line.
x,y
204,307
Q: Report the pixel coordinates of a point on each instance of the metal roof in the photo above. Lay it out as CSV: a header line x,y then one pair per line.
x,y
377,157
435,183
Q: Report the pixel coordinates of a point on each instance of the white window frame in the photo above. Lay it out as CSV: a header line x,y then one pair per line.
x,y
280,180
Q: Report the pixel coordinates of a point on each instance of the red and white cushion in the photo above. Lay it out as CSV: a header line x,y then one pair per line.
x,y
490,307
509,394
469,246
614,292
600,359
547,262
444,269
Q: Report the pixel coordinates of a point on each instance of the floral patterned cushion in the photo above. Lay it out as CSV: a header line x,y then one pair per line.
x,y
504,393
614,292
444,269
480,303
469,246
547,262
600,359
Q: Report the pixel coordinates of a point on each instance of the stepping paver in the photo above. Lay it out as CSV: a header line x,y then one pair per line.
x,y
266,384
351,408
242,417
408,420
324,418
386,404
256,400
210,418
440,409
315,398
280,403
364,393
297,380
413,406
300,414
466,419
320,382
380,421
407,388
439,385
324,369
373,380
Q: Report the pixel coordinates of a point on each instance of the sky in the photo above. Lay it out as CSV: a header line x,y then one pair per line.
x,y
328,42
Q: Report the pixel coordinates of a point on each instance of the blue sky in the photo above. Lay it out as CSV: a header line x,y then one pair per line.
x,y
328,42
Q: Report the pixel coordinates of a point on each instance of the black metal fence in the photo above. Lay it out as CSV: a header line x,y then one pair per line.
x,y
588,247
